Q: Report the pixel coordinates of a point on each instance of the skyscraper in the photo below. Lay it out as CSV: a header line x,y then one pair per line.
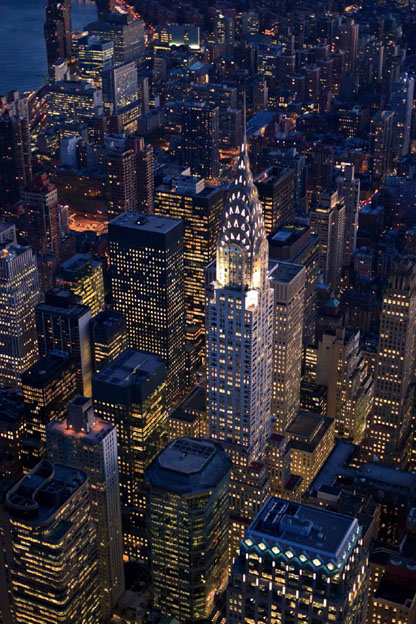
x,y
381,142
55,578
239,344
389,431
200,138
277,195
328,221
126,33
15,154
43,216
200,207
348,187
146,265
401,102
88,443
130,392
299,563
188,525
84,276
12,434
19,293
58,31
63,324
288,283
109,337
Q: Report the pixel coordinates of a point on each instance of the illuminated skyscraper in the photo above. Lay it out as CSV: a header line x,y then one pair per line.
x,y
389,431
288,283
88,443
19,294
109,337
200,207
200,138
15,154
277,195
188,522
349,189
130,392
94,57
43,216
63,324
146,265
381,142
84,276
239,345
126,33
58,31
401,102
12,434
53,580
299,564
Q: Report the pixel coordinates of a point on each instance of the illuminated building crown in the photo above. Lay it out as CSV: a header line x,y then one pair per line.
x,y
242,249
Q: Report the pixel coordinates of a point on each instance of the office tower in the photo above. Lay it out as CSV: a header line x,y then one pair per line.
x,y
276,191
94,57
146,266
126,33
343,370
389,431
63,324
190,418
129,173
288,283
121,97
12,434
188,524
296,244
15,154
381,142
42,216
320,167
83,275
88,443
130,392
299,563
327,220
47,388
239,346
55,578
58,31
109,337
348,40
200,138
348,187
19,293
200,207
401,102
105,6
76,100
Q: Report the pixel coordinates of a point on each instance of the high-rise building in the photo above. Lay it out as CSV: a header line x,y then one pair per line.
x,y
63,324
54,567
12,434
381,142
239,346
146,265
84,276
199,148
43,216
109,337
47,388
389,431
295,243
276,193
348,187
94,57
129,169
88,443
188,524
288,283
126,33
401,102
299,563
15,153
327,220
200,207
58,31
19,293
130,392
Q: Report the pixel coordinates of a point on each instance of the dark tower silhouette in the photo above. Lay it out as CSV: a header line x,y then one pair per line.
x,y
105,6
58,30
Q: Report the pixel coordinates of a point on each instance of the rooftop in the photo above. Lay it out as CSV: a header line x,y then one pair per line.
x,y
283,271
304,528
46,369
145,223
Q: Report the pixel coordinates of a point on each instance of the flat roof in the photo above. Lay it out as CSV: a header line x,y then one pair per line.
x,y
98,431
304,528
186,456
305,424
130,366
284,271
144,222
46,368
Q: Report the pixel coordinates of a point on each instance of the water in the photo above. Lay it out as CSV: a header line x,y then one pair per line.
x,y
22,46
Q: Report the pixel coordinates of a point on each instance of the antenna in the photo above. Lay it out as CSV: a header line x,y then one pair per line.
x,y
244,119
